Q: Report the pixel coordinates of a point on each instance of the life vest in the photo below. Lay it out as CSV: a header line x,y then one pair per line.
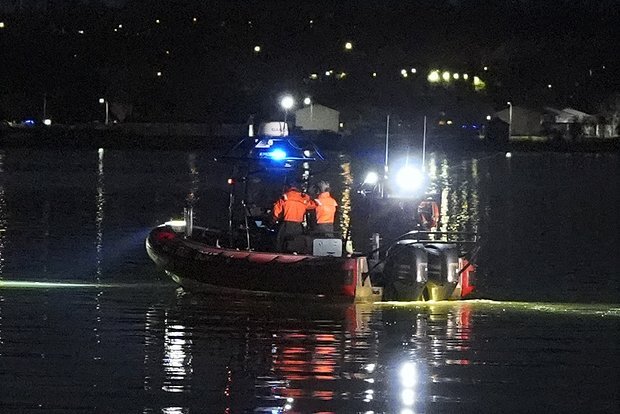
x,y
325,207
428,213
291,206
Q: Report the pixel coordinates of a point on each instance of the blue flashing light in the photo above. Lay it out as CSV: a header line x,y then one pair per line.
x,y
464,126
29,122
277,154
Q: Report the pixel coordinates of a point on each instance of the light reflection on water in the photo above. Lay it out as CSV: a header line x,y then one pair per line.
x,y
240,355
87,314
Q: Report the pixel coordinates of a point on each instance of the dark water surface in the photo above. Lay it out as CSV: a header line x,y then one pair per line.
x,y
87,324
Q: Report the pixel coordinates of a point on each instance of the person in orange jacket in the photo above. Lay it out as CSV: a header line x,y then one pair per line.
x,y
325,208
290,211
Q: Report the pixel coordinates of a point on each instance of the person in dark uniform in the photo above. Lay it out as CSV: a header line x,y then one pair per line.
x,y
290,210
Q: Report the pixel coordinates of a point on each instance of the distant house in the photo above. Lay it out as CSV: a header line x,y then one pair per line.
x,y
569,115
572,124
317,118
567,123
524,123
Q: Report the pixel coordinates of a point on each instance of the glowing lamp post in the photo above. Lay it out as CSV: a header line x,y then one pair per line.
x,y
287,103
308,101
107,109
509,119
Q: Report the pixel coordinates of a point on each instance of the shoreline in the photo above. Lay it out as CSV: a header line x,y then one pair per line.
x,y
117,138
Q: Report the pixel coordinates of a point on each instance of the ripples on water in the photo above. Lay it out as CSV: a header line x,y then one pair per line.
x,y
143,348
116,336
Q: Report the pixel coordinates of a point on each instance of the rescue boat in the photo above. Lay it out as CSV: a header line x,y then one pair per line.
x,y
194,263
421,264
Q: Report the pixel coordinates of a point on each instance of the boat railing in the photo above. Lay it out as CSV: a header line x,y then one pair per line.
x,y
467,242
440,237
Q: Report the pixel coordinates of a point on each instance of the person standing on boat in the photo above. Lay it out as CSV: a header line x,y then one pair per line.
x,y
325,208
290,211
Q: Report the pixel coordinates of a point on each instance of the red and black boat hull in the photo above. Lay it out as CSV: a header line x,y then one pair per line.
x,y
196,264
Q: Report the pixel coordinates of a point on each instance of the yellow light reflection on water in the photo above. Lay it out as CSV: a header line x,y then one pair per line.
x,y
595,309
345,201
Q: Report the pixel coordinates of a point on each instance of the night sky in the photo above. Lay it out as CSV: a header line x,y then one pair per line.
x,y
196,60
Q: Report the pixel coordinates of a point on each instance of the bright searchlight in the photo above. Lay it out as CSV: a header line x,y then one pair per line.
x,y
372,178
409,178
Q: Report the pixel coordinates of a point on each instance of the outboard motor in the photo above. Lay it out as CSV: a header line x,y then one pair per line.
x,y
443,270
405,272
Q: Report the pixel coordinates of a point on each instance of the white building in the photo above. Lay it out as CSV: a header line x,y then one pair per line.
x,y
317,118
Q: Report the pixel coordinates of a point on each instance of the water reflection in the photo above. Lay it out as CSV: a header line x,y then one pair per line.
x,y
177,361
457,185
167,359
279,358
3,229
3,215
194,178
99,213
344,206
382,359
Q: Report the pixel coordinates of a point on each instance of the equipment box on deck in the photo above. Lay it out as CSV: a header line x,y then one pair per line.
x,y
327,247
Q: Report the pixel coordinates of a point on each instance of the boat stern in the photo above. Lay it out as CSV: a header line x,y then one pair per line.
x,y
357,284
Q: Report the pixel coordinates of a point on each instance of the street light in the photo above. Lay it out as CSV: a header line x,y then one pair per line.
x,y
287,102
308,101
107,109
509,119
